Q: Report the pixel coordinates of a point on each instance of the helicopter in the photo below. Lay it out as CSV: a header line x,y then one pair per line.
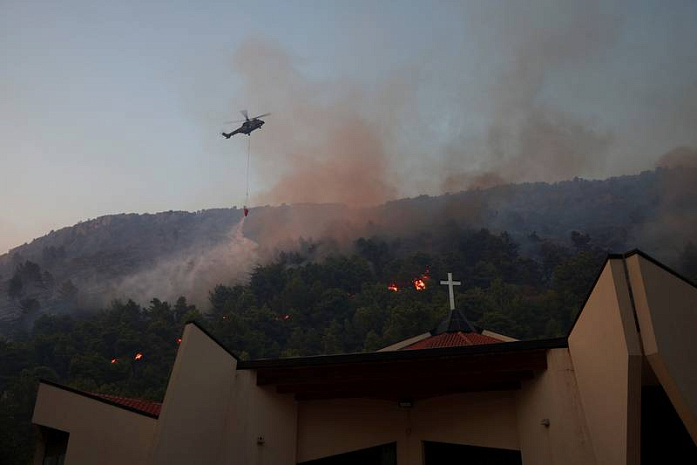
x,y
248,125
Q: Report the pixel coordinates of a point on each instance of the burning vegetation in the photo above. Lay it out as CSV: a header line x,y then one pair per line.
x,y
419,284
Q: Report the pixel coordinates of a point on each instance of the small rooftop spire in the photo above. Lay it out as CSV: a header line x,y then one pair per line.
x,y
456,321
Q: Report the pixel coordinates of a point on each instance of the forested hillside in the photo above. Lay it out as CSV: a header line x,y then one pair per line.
x,y
169,254
305,303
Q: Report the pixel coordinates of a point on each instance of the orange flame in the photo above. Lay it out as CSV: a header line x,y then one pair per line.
x,y
179,340
286,317
419,284
138,356
392,287
113,360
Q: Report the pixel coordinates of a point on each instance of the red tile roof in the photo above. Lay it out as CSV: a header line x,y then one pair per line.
x,y
455,339
146,406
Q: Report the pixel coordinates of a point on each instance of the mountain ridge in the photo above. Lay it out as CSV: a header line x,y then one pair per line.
x,y
174,253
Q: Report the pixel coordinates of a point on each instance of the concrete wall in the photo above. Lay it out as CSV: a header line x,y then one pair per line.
x,y
194,412
331,427
606,356
553,395
666,309
260,412
99,433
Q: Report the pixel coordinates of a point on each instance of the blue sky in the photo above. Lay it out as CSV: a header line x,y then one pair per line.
x,y
109,107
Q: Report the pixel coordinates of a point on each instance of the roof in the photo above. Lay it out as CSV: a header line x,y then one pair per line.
x,y
452,339
145,406
406,374
455,330
403,355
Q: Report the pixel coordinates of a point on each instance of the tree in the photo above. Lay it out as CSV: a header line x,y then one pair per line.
x,y
580,241
15,287
501,323
181,309
30,272
332,339
375,251
29,306
68,293
16,405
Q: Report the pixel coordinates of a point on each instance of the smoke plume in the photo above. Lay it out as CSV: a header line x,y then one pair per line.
x,y
331,141
679,157
674,222
193,272
530,139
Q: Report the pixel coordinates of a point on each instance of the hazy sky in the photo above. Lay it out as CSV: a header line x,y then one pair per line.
x,y
116,106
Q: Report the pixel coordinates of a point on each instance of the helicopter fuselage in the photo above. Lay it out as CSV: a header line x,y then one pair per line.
x,y
249,126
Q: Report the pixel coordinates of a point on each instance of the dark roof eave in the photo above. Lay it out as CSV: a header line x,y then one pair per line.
x,y
416,354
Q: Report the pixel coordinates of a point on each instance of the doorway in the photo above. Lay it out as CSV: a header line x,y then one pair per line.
x,y
664,438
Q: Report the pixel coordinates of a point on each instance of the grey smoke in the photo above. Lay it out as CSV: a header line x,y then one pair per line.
x,y
530,139
194,271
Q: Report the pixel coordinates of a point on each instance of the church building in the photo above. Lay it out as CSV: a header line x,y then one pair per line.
x,y
620,388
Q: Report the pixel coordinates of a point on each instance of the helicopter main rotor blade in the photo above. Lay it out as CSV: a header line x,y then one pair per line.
x,y
244,113
261,116
233,122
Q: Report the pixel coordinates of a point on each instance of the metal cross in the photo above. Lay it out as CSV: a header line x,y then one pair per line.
x,y
450,283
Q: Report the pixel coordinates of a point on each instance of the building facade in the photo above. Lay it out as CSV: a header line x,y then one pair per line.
x,y
621,388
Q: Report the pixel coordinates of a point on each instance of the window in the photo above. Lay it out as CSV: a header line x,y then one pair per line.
x,y
55,446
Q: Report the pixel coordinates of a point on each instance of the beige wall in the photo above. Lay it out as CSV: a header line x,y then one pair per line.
x,y
553,395
666,310
213,413
99,433
256,411
194,412
606,356
333,427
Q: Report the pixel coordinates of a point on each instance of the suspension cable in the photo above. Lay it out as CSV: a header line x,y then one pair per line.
x,y
249,151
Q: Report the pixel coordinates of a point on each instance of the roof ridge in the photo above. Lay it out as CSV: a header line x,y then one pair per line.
x,y
453,339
